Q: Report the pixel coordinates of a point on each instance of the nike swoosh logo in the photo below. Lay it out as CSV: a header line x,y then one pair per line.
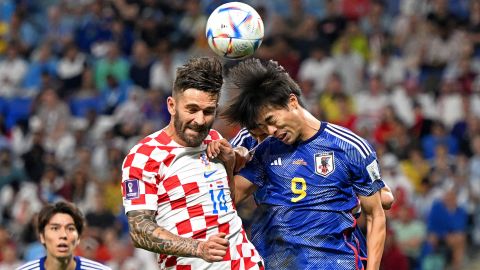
x,y
208,174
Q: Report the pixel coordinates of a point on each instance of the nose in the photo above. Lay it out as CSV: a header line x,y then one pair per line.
x,y
63,233
271,130
199,118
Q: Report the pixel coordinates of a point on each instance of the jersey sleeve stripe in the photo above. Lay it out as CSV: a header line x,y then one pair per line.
x,y
359,139
341,137
238,139
30,266
89,264
352,137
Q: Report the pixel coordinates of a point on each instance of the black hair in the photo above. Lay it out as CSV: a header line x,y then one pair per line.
x,y
202,73
254,84
50,210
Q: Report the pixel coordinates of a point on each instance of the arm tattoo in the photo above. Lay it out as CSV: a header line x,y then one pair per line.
x,y
146,234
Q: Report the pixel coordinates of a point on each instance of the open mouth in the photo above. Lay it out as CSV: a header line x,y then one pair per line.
x,y
62,247
282,137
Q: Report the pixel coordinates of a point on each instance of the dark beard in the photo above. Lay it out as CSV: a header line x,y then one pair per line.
x,y
190,141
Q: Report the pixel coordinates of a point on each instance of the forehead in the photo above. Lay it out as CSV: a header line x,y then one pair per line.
x,y
268,111
197,97
61,218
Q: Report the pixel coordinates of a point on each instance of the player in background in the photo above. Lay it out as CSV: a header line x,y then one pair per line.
x,y
309,174
244,144
59,228
177,200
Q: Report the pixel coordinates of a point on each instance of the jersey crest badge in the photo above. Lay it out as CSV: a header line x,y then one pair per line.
x,y
324,163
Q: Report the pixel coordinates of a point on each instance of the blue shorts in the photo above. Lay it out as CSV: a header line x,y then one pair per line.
x,y
334,252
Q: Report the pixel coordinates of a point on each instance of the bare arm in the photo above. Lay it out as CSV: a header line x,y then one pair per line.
x,y
387,197
243,188
146,234
376,229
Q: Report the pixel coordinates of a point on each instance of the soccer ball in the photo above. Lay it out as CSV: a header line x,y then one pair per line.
x,y
234,30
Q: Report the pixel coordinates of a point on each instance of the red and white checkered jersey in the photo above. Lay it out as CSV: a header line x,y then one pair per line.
x,y
191,196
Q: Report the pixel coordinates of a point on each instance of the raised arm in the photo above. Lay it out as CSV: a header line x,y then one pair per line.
x,y
146,234
376,229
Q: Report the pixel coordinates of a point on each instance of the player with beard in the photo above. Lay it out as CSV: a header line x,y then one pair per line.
x,y
177,200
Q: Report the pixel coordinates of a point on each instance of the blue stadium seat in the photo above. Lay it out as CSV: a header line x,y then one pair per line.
x,y
80,106
17,109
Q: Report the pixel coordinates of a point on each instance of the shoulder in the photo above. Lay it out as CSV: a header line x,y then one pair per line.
x,y
349,141
91,265
244,138
31,265
154,147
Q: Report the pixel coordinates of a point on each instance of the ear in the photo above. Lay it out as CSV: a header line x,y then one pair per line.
x,y
171,105
293,101
42,238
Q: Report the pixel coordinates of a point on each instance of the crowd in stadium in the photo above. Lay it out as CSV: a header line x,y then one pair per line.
x,y
81,81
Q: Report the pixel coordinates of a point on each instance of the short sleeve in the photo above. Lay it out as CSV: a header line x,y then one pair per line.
x,y
366,177
139,179
254,170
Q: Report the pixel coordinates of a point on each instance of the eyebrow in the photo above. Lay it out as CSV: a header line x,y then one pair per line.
x,y
268,119
195,106
58,224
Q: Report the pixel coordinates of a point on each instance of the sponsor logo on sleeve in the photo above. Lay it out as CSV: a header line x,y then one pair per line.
x,y
132,190
373,171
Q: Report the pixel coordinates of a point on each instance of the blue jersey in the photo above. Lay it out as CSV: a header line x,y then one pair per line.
x,y
81,264
245,139
307,191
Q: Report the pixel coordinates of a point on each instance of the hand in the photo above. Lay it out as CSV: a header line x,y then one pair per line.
x,y
214,249
242,156
223,150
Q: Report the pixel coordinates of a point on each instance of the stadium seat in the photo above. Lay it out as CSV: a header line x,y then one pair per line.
x,y
80,106
17,109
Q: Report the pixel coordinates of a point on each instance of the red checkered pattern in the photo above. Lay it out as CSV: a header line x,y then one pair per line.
x,y
191,196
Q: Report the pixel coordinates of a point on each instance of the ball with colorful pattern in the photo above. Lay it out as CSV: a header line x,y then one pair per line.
x,y
234,30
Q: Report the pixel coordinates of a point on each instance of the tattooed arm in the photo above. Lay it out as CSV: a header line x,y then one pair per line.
x,y
146,234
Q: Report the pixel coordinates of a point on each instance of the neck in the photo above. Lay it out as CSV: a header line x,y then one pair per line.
x,y
170,130
60,263
311,125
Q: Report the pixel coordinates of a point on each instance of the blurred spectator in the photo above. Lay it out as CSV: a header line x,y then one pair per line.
x,y
438,136
410,234
70,69
355,9
447,223
371,103
58,29
332,24
41,62
163,69
113,64
317,68
328,99
113,94
393,258
12,71
10,173
22,32
141,65
349,64
416,168
9,258
389,67
54,116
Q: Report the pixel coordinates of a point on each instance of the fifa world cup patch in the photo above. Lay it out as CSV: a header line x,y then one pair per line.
x,y
324,163
373,170
131,189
